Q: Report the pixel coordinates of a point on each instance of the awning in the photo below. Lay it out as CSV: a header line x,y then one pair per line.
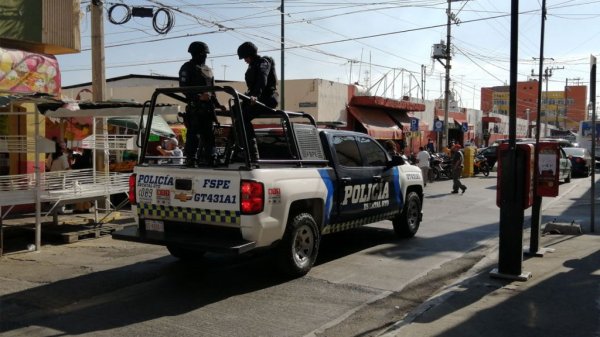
x,y
107,109
459,121
400,116
488,119
386,103
378,124
159,127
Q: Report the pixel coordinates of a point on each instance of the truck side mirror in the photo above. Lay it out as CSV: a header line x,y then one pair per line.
x,y
396,160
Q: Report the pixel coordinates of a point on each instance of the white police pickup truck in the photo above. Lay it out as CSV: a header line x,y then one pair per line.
x,y
306,183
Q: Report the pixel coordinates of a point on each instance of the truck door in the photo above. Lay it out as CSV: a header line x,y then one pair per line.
x,y
365,187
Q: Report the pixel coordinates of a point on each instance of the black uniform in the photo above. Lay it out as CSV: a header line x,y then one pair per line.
x,y
200,114
261,80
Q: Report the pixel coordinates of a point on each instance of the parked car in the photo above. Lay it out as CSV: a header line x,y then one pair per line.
x,y
562,142
581,161
565,166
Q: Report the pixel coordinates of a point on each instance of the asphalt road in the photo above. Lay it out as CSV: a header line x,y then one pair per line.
x,y
364,280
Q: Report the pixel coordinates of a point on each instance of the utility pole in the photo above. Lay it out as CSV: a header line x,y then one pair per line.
x,y
547,74
99,84
282,81
511,180
593,70
224,71
98,71
536,207
447,80
447,56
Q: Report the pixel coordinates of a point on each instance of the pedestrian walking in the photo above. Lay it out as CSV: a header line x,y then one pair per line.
x,y
457,167
430,145
423,158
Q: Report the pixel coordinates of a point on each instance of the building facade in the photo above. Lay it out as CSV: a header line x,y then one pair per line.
x,y
560,109
327,101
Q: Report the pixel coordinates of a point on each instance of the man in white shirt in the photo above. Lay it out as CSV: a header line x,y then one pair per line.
x,y
423,158
172,150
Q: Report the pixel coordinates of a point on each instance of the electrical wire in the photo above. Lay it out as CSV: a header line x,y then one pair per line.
x,y
164,29
159,13
124,19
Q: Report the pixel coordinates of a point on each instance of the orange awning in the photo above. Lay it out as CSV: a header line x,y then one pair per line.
x,y
386,103
378,124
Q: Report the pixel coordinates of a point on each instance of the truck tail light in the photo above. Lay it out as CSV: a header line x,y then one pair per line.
x,y
252,198
132,195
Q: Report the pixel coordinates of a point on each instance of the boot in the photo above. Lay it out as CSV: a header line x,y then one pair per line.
x,y
190,162
254,150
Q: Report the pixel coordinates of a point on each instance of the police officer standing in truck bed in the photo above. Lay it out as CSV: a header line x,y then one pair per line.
x,y
200,114
261,80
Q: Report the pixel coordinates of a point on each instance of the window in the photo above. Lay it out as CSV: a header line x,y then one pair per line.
x,y
374,155
347,151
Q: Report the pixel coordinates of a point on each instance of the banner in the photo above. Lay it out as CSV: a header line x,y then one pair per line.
x,y
25,72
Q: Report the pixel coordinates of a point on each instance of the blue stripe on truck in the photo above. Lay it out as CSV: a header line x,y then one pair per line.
x,y
328,181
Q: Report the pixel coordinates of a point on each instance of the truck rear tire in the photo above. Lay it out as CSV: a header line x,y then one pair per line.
x,y
184,253
406,224
299,247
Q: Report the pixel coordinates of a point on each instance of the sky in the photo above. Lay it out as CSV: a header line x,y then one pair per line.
x,y
383,45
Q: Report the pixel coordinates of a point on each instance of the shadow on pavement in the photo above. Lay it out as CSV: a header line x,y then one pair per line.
x,y
562,305
169,288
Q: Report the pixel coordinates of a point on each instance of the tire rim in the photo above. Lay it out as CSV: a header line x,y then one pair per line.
x,y
412,214
304,242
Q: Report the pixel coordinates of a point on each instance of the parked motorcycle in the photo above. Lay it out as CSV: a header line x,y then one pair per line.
x,y
440,166
480,164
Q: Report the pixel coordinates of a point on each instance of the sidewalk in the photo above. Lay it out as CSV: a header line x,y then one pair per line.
x,y
562,298
19,229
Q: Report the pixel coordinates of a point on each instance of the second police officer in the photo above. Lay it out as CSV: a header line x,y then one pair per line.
x,y
200,116
261,80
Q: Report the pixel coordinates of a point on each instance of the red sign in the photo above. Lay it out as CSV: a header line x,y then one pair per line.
x,y
525,165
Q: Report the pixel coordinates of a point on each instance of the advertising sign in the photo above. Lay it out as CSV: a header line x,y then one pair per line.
x,y
547,169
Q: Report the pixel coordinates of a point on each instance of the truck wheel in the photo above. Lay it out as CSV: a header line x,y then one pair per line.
x,y
184,253
298,250
407,222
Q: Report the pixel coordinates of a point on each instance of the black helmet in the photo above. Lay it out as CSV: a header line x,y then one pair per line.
x,y
198,47
247,49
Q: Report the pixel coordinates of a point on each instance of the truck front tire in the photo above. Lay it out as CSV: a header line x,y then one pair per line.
x,y
298,250
406,224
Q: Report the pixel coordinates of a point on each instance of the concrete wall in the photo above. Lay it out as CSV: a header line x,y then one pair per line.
x,y
324,100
